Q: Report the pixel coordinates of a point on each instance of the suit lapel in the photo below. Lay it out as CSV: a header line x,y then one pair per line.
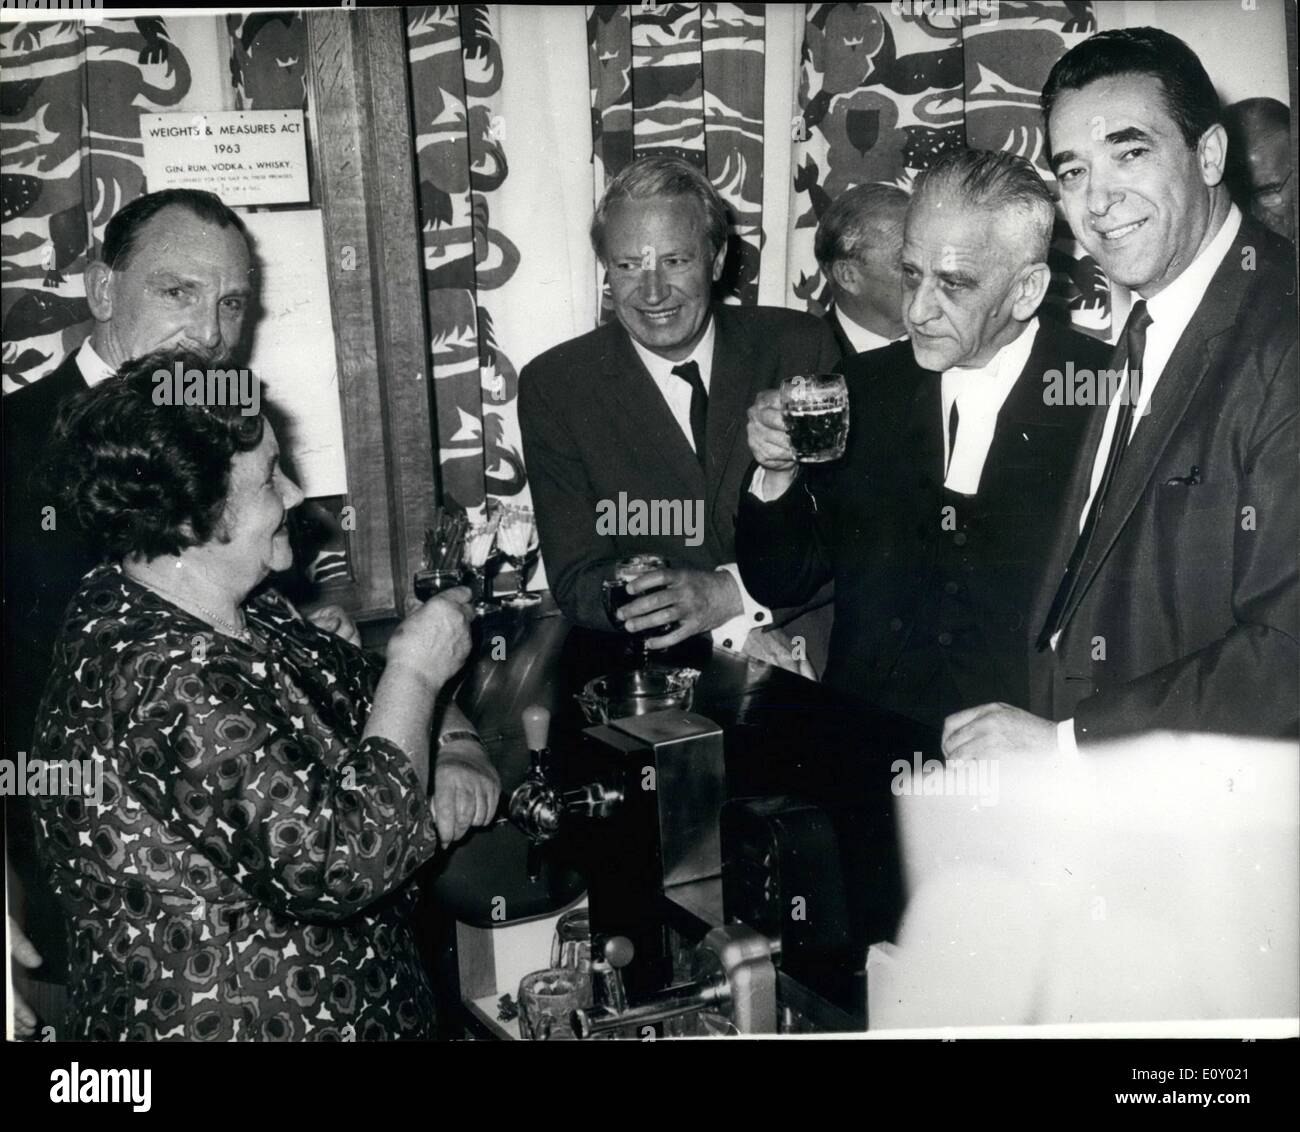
x,y
842,340
926,424
1178,382
639,418
737,377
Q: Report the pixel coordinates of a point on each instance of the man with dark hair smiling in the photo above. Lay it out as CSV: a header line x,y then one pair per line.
x,y
1170,601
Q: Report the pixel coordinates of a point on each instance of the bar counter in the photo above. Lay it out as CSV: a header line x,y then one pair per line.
x,y
783,736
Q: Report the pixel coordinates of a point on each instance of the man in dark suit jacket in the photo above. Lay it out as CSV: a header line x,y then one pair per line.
x,y
1171,601
174,270
858,242
936,522
648,413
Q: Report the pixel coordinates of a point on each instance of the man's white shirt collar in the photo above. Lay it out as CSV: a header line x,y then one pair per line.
x,y
1172,309
1181,298
93,368
661,368
979,393
860,338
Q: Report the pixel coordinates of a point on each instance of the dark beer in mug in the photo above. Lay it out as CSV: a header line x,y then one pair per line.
x,y
815,410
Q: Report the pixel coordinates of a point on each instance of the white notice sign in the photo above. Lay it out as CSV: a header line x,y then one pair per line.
x,y
244,156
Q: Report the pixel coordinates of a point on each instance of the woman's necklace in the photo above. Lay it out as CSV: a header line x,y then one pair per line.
x,y
240,632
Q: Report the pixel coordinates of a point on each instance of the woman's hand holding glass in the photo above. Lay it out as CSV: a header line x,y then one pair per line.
x,y
434,639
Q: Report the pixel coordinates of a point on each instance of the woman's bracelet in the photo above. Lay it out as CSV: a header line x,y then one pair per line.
x,y
448,737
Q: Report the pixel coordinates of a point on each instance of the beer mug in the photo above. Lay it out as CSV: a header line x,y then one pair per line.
x,y
547,1000
815,409
571,948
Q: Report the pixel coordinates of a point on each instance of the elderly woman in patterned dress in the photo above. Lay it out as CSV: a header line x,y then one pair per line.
x,y
248,873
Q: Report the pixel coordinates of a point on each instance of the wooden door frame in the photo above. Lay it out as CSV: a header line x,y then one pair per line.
x,y
362,145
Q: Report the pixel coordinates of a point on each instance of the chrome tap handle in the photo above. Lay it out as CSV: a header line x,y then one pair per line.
x,y
595,800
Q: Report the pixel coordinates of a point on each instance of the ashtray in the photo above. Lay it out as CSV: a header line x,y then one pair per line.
x,y
637,691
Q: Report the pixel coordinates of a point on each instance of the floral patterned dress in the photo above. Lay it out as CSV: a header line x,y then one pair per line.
x,y
248,873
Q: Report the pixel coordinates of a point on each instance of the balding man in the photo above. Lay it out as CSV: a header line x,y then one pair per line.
x,y
935,525
858,244
1259,174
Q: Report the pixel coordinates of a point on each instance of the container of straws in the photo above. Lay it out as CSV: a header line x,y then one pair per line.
x,y
444,548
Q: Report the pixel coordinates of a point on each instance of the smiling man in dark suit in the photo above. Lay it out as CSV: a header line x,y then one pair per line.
x,y
936,523
1171,599
650,409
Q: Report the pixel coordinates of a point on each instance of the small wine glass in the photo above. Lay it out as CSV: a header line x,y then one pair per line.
x,y
516,538
479,546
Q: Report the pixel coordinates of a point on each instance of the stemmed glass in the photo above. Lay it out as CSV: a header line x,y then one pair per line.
x,y
516,537
479,545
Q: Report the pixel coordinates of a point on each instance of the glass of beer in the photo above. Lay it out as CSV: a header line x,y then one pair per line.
x,y
429,583
615,596
815,409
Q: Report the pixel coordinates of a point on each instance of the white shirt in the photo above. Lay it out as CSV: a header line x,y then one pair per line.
x,y
860,337
93,368
1171,310
677,395
979,393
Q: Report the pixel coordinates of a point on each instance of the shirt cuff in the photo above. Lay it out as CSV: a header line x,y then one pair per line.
x,y
731,634
759,489
1065,741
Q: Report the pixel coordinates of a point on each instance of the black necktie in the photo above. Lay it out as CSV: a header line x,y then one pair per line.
x,y
952,436
1135,340
689,372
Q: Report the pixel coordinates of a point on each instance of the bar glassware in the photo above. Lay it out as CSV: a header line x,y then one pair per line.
x,y
516,538
815,409
614,595
547,1000
571,948
443,544
479,546
430,583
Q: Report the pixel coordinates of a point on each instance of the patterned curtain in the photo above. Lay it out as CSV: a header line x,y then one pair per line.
x,y
885,90
458,130
685,79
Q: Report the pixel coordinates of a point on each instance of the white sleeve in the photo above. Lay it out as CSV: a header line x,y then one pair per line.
x,y
731,634
1065,741
760,490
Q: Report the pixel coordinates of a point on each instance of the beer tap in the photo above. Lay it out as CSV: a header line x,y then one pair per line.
x,y
537,806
